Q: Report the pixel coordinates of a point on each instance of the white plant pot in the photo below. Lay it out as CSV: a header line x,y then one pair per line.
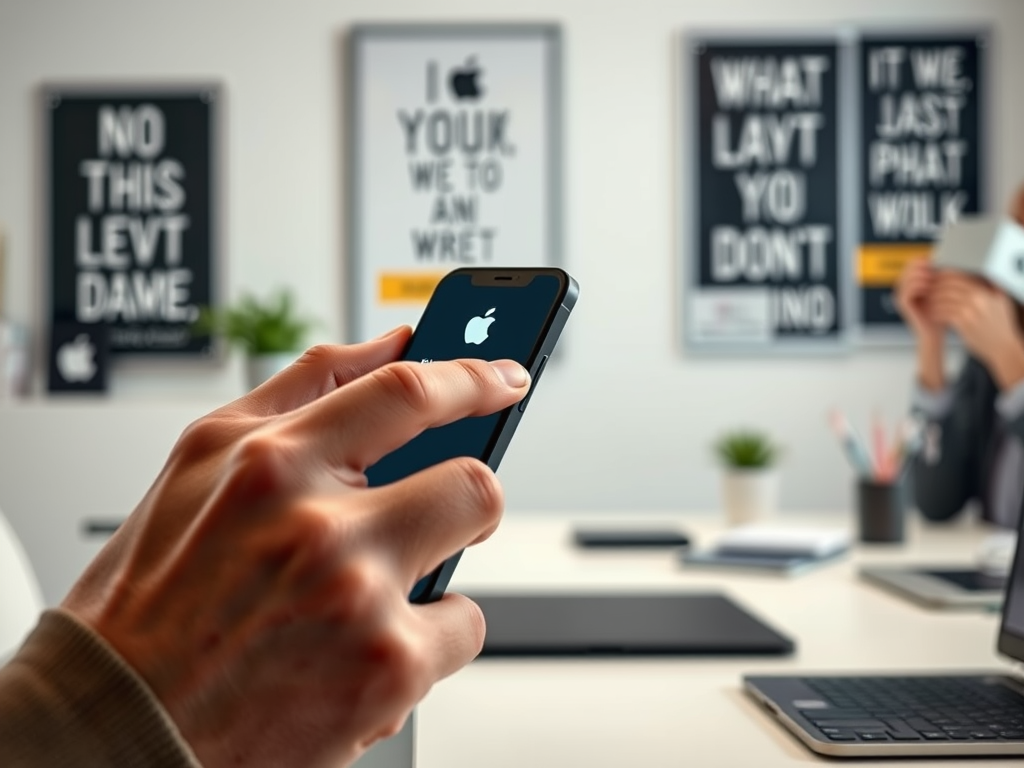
x,y
259,368
749,495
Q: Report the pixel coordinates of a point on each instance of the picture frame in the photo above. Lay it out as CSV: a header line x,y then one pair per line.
x,y
799,304
453,158
131,234
899,217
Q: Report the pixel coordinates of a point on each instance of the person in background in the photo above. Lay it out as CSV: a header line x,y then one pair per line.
x,y
973,433
253,610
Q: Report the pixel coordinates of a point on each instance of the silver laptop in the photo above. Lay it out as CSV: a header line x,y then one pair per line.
x,y
909,715
939,587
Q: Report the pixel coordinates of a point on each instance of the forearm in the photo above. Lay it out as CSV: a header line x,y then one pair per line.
x,y
66,699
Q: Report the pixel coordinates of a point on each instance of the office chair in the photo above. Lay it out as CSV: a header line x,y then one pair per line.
x,y
21,599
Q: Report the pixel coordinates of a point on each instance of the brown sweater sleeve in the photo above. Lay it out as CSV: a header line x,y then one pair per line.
x,y
67,699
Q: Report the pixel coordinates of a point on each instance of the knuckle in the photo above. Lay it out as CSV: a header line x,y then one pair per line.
x,y
405,382
479,373
302,545
481,485
204,435
402,662
356,587
322,359
259,462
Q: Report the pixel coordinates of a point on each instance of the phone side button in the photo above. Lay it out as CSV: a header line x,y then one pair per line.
x,y
533,384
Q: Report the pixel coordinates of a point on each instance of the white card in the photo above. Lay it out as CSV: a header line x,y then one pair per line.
x,y
1004,264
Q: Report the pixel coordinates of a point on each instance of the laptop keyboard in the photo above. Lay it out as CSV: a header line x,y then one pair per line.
x,y
893,709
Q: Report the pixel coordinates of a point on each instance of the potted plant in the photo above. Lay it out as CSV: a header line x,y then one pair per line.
x,y
750,482
269,332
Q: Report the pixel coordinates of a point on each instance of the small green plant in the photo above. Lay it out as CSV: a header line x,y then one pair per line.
x,y
258,327
746,449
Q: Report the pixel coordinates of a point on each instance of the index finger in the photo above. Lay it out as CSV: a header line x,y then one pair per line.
x,y
372,416
321,370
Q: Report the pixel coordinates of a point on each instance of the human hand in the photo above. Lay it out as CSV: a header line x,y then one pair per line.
x,y
1017,208
912,290
261,589
983,316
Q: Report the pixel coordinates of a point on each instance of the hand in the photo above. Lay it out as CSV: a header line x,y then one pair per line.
x,y
983,316
260,588
912,290
1017,208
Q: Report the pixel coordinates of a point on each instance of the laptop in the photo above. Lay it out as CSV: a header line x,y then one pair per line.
x,y
910,715
940,587
626,624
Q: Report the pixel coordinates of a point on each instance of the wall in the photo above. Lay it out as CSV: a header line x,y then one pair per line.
x,y
626,421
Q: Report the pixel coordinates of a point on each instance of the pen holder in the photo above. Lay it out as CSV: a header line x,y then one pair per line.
x,y
880,511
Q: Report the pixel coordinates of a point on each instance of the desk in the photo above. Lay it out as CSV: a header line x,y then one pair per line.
x,y
685,712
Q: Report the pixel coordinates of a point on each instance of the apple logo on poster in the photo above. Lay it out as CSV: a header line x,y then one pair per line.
x,y
478,327
76,360
463,82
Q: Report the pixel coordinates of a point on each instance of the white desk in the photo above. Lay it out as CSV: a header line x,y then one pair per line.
x,y
687,711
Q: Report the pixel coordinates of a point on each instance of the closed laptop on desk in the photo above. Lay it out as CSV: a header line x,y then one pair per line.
x,y
623,624
909,714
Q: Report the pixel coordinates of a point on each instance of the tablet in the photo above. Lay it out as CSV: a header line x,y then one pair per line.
x,y
940,586
628,624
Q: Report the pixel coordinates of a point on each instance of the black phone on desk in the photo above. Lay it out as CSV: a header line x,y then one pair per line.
x,y
489,314
630,538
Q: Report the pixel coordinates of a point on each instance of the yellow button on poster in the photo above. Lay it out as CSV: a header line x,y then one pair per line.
x,y
407,287
879,264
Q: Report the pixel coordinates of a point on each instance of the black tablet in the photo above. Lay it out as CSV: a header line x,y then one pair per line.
x,y
624,624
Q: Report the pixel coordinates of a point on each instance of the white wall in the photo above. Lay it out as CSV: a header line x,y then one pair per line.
x,y
627,420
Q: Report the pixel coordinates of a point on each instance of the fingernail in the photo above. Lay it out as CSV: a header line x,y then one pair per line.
x,y
391,333
511,372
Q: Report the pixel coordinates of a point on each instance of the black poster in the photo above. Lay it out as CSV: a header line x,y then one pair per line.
x,y
766,203
131,228
921,156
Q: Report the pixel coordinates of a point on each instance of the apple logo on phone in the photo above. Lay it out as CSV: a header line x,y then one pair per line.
x,y
463,81
478,327
75,359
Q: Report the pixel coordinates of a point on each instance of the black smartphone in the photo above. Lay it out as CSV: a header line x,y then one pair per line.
x,y
489,314
633,538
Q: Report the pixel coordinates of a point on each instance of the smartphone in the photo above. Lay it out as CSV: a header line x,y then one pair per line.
x,y
488,314
639,538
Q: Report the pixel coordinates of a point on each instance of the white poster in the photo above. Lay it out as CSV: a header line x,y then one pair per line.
x,y
454,160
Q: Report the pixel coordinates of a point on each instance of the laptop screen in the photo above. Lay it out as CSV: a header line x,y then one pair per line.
x,y
1011,633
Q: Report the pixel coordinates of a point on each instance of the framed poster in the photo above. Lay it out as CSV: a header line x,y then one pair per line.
x,y
454,159
131,196
921,156
763,270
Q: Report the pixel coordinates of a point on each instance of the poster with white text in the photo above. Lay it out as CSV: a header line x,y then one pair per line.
x,y
763,268
453,160
131,213
921,155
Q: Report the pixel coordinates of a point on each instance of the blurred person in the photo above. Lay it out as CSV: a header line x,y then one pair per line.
x,y
973,434
253,609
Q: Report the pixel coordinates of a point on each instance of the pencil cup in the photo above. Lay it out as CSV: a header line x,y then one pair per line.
x,y
880,511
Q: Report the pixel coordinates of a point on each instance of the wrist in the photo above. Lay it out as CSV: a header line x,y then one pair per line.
x,y
1006,365
930,371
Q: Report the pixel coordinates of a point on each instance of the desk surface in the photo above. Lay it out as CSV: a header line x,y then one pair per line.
x,y
685,712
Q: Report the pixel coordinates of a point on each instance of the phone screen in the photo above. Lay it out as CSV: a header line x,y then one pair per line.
x,y
463,320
